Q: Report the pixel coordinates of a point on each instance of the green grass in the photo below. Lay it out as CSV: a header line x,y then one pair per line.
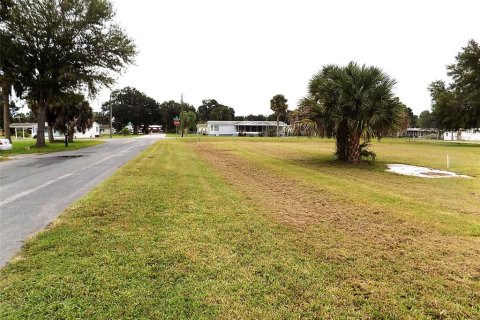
x,y
454,210
218,229
27,146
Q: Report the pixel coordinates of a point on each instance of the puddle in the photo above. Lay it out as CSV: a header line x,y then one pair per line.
x,y
70,156
422,172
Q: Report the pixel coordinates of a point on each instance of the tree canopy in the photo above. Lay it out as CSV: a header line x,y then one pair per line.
x,y
457,105
75,113
188,120
210,109
129,105
349,103
169,110
65,46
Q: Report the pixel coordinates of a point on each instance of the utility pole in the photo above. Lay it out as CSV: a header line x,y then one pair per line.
x,y
110,103
181,113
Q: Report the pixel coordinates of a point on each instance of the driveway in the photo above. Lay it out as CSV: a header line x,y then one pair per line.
x,y
35,189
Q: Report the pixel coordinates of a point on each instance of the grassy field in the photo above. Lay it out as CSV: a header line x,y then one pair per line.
x,y
260,228
27,146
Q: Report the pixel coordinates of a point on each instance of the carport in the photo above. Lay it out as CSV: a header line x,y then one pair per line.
x,y
23,126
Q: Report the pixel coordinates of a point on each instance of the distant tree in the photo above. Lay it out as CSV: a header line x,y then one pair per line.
x,y
53,111
101,117
13,111
188,120
448,110
75,113
426,120
257,117
132,106
222,112
279,106
412,118
457,105
66,46
210,109
169,110
349,103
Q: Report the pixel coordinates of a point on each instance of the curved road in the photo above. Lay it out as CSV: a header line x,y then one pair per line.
x,y
35,189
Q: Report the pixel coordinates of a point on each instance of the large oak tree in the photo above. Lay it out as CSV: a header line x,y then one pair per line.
x,y
67,45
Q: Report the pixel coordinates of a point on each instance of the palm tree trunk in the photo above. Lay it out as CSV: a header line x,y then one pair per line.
x,y
41,118
6,110
353,149
278,120
342,141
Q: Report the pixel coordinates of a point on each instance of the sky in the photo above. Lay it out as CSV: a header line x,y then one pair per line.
x,y
242,53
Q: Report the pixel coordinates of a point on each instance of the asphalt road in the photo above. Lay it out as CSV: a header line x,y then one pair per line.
x,y
35,189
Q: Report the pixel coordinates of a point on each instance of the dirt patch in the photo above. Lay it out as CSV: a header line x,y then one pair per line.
x,y
385,252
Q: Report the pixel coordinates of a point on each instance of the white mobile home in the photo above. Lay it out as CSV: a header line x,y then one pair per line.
x,y
31,129
248,128
463,135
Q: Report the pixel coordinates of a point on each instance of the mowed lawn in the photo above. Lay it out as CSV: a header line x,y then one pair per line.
x,y
27,146
264,229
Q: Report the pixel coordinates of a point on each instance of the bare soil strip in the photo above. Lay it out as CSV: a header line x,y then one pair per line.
x,y
377,254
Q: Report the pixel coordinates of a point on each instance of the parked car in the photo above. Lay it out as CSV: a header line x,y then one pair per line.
x,y
5,144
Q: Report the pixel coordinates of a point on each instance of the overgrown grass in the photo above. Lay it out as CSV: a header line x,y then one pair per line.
x,y
27,146
175,235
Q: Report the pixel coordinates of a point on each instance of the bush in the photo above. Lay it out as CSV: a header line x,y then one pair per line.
x,y
367,154
272,132
125,131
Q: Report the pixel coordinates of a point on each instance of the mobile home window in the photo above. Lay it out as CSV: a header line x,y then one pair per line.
x,y
214,127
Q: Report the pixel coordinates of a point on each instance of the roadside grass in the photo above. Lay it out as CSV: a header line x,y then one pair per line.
x,y
27,146
256,228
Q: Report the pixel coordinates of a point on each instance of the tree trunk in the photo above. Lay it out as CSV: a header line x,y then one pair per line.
x,y
41,118
6,110
278,120
342,147
50,133
71,132
353,149
342,141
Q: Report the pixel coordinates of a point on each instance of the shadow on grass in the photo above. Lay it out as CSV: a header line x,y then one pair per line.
x,y
324,163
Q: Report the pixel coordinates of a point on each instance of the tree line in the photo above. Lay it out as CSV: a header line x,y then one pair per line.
x,y
456,105
132,107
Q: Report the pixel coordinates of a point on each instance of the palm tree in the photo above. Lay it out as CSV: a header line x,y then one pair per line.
x,y
349,103
279,106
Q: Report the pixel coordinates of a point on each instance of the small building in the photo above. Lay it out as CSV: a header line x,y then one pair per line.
x,y
93,132
32,128
245,128
105,129
24,129
472,134
419,133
